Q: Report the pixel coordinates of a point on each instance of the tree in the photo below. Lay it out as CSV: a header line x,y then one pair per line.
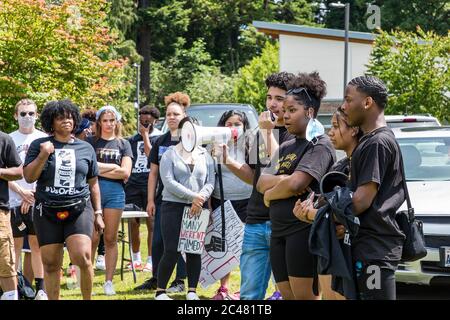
x,y
226,28
209,85
57,50
250,86
405,15
177,71
415,70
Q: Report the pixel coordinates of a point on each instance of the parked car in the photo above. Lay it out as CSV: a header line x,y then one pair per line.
x,y
160,123
426,154
325,120
412,121
209,114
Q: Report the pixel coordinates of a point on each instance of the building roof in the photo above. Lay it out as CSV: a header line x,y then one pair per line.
x,y
275,29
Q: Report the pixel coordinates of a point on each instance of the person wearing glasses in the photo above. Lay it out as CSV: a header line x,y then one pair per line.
x,y
136,190
297,168
21,193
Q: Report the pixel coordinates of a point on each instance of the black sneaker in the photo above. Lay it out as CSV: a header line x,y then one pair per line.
x,y
176,286
149,284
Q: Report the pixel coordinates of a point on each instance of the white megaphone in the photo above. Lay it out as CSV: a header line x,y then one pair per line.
x,y
193,135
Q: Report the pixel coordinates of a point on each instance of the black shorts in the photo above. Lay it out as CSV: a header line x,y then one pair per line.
x,y
27,220
138,196
49,232
240,206
290,256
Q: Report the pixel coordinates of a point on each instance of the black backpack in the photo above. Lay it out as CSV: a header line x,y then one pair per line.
x,y
24,287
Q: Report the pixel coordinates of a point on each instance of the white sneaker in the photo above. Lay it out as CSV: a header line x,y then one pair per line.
x,y
192,296
41,295
163,296
100,263
109,288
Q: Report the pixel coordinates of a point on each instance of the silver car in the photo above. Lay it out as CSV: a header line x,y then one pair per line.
x,y
412,121
426,154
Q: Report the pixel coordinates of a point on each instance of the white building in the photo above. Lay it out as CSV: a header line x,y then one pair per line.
x,y
306,49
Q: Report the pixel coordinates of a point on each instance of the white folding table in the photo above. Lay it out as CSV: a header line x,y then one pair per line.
x,y
125,216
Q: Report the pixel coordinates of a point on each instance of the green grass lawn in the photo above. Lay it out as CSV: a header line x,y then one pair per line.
x,y
124,289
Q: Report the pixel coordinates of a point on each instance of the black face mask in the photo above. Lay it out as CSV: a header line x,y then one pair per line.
x,y
146,125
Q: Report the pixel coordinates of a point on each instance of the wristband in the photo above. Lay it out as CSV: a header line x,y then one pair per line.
x,y
98,212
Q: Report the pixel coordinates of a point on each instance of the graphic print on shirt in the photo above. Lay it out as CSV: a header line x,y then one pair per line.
x,y
141,159
161,151
286,163
22,151
108,155
65,167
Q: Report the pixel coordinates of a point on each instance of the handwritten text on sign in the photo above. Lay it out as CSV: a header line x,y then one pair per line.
x,y
193,231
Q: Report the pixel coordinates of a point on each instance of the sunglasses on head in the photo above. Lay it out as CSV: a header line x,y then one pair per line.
x,y
30,113
297,91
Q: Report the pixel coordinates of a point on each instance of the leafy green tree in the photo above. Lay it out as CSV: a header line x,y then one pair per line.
x,y
57,50
405,15
415,69
250,86
176,72
209,85
226,26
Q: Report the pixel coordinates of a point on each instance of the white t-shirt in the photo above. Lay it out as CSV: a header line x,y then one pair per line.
x,y
22,142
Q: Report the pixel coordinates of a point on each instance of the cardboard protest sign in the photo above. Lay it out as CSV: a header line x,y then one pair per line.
x,y
193,231
221,256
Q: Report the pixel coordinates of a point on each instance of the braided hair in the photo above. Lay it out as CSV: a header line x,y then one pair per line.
x,y
372,87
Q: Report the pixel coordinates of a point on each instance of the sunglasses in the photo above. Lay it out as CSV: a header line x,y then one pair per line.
x,y
30,113
297,91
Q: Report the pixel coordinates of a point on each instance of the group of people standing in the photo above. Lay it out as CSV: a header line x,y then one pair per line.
x,y
76,185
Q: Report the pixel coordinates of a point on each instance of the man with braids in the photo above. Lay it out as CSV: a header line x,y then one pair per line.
x,y
298,167
376,182
255,262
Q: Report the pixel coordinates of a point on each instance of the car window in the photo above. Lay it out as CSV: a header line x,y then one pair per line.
x,y
426,159
400,124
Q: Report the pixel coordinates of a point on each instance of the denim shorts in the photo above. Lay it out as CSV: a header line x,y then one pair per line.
x,y
112,194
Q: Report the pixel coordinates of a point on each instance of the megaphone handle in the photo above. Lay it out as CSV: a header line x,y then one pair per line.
x,y
222,205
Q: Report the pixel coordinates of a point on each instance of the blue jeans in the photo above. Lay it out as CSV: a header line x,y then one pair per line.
x,y
255,261
158,247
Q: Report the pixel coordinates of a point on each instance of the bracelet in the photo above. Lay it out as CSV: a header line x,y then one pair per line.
x,y
98,212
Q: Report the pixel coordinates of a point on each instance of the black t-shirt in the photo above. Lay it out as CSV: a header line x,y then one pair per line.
x,y
9,158
257,212
377,159
111,151
299,155
140,168
66,171
160,146
342,165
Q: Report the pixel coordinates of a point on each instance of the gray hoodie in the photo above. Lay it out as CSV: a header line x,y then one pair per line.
x,y
180,185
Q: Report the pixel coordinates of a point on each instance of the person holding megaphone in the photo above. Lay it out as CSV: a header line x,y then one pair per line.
x,y
234,189
188,179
